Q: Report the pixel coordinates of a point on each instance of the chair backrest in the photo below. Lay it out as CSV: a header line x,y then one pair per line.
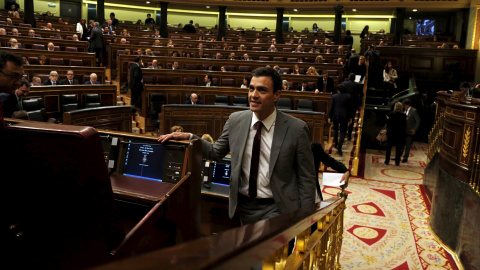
x,y
157,53
38,115
278,58
156,102
38,46
230,68
164,80
305,105
256,48
240,101
264,58
286,70
192,67
91,100
56,61
56,48
243,69
228,82
332,72
33,60
71,49
33,104
286,49
143,43
291,59
76,62
149,79
190,81
284,104
221,100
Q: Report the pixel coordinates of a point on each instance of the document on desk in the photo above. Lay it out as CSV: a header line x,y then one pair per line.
x,y
332,179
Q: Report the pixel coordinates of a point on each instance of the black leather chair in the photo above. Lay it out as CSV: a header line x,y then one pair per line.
x,y
156,102
35,109
69,103
305,105
284,104
91,101
221,100
240,101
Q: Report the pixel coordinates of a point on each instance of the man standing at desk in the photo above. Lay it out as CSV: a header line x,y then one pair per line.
x,y
272,161
11,73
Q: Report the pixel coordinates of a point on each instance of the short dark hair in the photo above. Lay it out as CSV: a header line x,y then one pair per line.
x,y
210,77
112,14
7,56
24,82
304,81
407,102
342,88
191,21
464,84
324,72
137,58
272,73
351,76
349,32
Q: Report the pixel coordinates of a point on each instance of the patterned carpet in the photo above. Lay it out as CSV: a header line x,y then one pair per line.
x,y
386,220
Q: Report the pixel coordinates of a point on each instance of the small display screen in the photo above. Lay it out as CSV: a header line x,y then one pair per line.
x,y
145,160
425,27
221,173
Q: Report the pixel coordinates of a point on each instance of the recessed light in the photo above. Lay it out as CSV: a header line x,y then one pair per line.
x,y
409,18
414,10
207,6
295,9
354,10
148,2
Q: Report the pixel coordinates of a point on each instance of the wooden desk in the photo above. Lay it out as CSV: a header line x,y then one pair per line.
x,y
115,118
79,71
27,42
87,58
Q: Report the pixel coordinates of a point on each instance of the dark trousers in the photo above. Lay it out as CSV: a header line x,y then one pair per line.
x,y
342,125
398,151
136,98
408,144
98,55
350,127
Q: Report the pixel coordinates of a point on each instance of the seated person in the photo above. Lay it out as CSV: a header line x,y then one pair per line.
x,y
70,80
52,80
304,86
93,79
209,80
193,99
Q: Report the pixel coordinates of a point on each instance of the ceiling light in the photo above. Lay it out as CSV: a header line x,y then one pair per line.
x,y
207,6
295,9
414,10
354,10
148,2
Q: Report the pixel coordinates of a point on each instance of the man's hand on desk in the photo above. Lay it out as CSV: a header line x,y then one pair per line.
x,y
174,136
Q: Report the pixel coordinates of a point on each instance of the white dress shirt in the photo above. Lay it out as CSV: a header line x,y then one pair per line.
x,y
263,180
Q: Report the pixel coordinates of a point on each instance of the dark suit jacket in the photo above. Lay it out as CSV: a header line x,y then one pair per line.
x,y
9,104
96,38
397,122
330,84
340,107
356,92
292,172
299,88
49,82
90,82
65,82
413,121
212,83
352,62
199,102
136,77
190,28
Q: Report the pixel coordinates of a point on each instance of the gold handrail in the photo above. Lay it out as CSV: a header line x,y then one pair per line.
x,y
356,160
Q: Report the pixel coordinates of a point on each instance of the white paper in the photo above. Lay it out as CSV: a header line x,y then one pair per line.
x,y
332,179
357,78
324,204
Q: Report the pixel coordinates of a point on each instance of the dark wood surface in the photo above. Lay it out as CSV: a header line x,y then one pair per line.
x,y
116,118
82,46
87,58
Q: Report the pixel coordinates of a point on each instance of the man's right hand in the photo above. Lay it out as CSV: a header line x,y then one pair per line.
x,y
174,136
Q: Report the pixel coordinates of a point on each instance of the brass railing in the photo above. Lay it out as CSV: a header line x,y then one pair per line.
x,y
435,136
356,160
475,176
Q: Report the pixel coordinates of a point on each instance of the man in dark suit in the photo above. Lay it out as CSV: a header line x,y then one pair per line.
x,y
136,84
52,79
209,81
193,100
93,79
304,86
269,176
325,84
413,123
340,115
96,43
110,27
356,92
70,80
189,27
13,102
353,61
11,73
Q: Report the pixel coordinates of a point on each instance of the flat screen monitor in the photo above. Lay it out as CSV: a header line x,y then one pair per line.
x,y
425,27
144,159
221,173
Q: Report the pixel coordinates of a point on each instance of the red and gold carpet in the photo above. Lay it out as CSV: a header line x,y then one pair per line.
x,y
386,220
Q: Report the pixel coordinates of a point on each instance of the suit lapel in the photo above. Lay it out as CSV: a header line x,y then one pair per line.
x,y
279,134
244,129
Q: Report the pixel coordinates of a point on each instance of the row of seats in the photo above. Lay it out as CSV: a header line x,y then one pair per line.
x,y
35,107
33,60
156,101
81,78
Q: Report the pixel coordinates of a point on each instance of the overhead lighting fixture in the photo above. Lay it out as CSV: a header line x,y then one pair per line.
x,y
295,9
148,2
414,10
207,6
409,18
354,10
